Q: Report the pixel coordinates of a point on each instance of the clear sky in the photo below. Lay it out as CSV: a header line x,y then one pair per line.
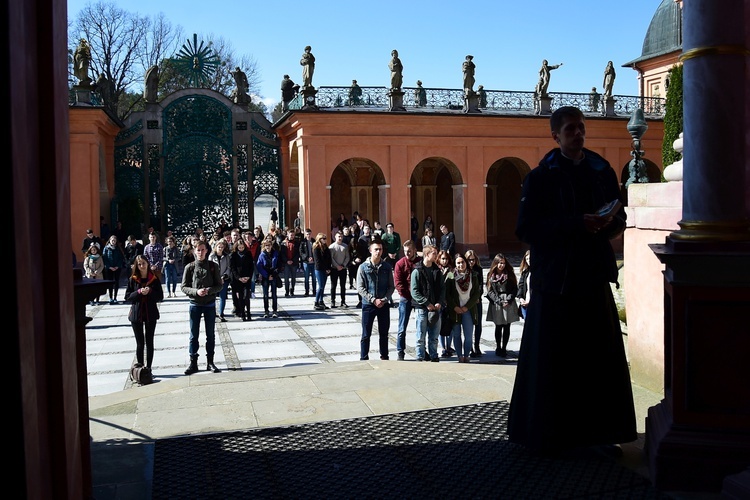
x,y
354,40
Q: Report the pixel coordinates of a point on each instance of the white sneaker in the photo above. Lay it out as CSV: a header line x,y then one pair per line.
x,y
253,295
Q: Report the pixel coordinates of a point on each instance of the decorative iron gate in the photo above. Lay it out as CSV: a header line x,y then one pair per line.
x,y
184,163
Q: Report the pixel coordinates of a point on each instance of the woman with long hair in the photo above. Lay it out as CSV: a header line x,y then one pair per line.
x,y
220,255
444,262
462,293
143,292
93,265
428,238
472,260
322,259
524,284
502,288
241,268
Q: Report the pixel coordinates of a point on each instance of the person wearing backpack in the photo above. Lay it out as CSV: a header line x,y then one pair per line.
x,y
201,282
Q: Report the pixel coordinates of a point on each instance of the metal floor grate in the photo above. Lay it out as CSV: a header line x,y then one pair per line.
x,y
457,452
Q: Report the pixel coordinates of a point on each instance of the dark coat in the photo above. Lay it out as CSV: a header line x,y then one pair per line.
x,y
144,307
559,402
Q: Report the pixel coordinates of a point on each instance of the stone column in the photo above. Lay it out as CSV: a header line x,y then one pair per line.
x,y
396,100
699,434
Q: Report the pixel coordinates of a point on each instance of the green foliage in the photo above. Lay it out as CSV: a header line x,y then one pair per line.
x,y
672,116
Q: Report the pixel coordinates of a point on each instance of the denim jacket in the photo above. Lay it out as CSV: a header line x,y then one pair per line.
x,y
375,281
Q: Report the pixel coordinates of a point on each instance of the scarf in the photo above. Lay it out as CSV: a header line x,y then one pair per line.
x,y
498,278
463,280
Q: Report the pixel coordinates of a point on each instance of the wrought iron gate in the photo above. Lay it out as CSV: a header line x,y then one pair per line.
x,y
184,163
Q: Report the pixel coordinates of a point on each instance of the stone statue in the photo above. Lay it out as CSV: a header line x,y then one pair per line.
x,y
355,94
308,67
396,71
544,74
104,87
420,95
594,100
243,87
152,83
609,79
288,91
81,62
482,96
468,68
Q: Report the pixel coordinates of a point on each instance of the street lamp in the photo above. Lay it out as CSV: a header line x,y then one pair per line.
x,y
637,167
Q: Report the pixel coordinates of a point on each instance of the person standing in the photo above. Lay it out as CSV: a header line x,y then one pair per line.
x,y
463,291
308,262
154,253
362,252
402,282
220,255
114,263
444,262
447,240
143,293
93,265
414,223
89,239
322,258
557,219
502,288
240,272
339,262
392,244
274,216
428,295
472,259
171,258
201,282
374,286
268,269
524,284
290,258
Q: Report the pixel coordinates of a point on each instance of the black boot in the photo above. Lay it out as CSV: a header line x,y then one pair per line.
x,y
193,368
210,366
499,340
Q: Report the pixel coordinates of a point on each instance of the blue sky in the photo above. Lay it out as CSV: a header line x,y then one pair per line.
x,y
353,40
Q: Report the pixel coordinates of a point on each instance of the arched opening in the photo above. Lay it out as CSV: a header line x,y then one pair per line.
x,y
355,188
432,194
504,180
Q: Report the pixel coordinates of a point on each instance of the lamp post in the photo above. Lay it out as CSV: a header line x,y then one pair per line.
x,y
637,167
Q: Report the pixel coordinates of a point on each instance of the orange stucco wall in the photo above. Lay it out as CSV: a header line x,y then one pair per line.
x,y
396,143
92,182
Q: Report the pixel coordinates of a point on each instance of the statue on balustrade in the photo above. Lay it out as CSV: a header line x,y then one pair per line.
x,y
482,96
308,67
420,95
355,94
544,75
397,70
468,69
288,91
81,62
609,79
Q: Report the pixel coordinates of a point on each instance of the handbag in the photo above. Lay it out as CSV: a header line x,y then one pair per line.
x,y
279,283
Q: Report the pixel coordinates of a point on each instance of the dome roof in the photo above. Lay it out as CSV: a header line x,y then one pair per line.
x,y
664,34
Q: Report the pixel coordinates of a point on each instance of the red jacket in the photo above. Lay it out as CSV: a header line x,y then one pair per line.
x,y
402,275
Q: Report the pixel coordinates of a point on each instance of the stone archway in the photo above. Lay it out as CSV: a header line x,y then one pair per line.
x,y
503,193
355,186
433,184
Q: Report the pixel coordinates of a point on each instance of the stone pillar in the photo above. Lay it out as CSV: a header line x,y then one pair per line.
x,y
383,202
543,105
459,209
608,106
396,100
471,102
700,433
308,98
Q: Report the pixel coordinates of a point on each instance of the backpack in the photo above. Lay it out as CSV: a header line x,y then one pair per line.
x,y
141,374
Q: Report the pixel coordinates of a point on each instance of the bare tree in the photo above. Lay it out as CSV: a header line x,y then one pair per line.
x,y
117,39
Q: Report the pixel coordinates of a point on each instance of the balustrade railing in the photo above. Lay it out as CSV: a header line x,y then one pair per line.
x,y
496,100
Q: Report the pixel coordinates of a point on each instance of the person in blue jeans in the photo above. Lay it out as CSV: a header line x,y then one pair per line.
x,y
375,286
308,261
428,295
201,282
268,269
463,290
171,258
322,258
402,280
